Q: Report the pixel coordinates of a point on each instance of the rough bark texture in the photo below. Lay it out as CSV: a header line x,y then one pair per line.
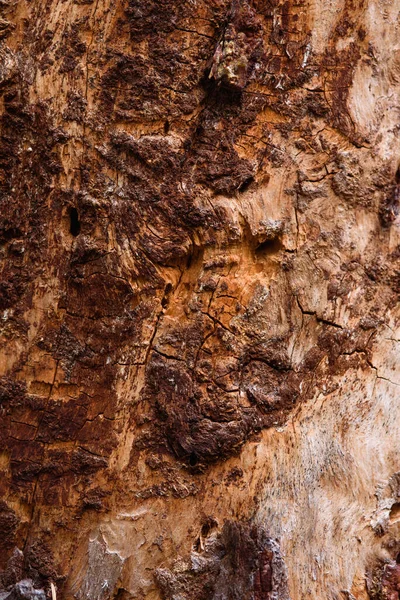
x,y
200,253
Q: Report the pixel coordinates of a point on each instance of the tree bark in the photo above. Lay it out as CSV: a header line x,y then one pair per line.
x,y
199,299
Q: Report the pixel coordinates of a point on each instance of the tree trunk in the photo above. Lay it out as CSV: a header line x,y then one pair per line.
x,y
199,299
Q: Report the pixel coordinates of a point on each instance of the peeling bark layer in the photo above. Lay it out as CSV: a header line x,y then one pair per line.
x,y
200,252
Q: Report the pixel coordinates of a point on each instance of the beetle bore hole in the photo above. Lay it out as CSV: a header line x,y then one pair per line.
x,y
193,460
246,184
208,526
398,559
167,292
74,222
269,247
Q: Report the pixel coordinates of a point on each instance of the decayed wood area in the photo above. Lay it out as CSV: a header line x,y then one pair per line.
x,y
199,237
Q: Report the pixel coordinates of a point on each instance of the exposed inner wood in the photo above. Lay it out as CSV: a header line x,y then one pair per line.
x,y
199,299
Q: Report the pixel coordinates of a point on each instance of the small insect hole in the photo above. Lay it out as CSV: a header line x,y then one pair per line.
x,y
193,460
166,127
246,184
208,526
167,292
397,176
269,247
74,222
398,559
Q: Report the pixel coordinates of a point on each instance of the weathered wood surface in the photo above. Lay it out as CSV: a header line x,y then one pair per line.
x,y
199,298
